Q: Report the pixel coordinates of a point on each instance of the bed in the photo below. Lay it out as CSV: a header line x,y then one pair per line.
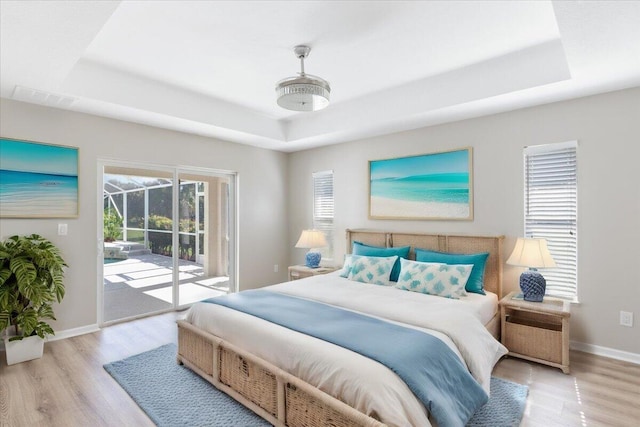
x,y
292,379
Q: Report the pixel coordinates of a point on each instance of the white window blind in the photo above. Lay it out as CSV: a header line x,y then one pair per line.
x,y
551,211
323,208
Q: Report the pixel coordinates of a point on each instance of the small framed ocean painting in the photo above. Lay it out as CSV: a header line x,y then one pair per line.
x,y
38,180
436,186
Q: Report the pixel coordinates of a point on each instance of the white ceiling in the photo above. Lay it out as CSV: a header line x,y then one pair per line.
x,y
210,67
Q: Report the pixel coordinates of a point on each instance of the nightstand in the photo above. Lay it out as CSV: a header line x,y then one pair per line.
x,y
301,271
536,331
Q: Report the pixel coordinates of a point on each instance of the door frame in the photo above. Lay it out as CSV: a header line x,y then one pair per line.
x,y
175,170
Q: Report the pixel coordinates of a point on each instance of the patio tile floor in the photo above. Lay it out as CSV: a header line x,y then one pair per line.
x,y
142,284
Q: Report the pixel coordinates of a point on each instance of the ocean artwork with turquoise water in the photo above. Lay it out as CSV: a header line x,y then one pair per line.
x,y
431,186
38,180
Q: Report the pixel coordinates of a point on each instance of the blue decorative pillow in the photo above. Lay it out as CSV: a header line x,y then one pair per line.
x,y
366,250
371,269
475,283
434,279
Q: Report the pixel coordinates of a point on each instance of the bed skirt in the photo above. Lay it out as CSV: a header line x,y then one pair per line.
x,y
277,396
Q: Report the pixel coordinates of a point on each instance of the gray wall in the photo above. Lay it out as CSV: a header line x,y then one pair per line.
x,y
607,128
275,198
262,194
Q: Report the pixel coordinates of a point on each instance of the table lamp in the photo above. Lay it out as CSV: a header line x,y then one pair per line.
x,y
310,239
532,253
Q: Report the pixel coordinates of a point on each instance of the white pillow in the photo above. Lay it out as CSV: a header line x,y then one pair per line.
x,y
443,280
371,269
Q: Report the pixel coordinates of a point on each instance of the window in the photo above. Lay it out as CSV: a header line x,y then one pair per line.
x,y
323,208
551,211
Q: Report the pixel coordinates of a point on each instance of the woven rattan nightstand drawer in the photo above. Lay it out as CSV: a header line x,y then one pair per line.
x,y
536,331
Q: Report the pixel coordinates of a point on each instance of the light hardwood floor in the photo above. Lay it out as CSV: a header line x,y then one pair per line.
x,y
69,387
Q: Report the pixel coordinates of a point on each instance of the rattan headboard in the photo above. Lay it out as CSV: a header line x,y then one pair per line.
x,y
443,243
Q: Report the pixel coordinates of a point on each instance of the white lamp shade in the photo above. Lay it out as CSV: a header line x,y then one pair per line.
x,y
532,253
311,239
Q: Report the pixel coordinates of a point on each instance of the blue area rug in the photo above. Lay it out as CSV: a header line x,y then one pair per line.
x,y
174,396
505,406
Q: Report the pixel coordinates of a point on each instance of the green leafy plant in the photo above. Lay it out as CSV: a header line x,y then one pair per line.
x,y
31,279
112,226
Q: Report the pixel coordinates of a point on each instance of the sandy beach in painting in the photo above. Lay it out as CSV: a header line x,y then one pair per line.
x,y
46,207
26,194
385,207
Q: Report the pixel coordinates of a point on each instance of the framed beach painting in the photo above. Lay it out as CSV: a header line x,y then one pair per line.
x,y
430,186
38,180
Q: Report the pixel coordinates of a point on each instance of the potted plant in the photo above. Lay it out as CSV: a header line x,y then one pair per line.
x,y
31,279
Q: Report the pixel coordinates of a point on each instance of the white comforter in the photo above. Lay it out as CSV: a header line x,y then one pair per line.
x,y
360,382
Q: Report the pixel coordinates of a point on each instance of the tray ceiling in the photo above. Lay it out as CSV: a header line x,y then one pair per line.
x,y
210,68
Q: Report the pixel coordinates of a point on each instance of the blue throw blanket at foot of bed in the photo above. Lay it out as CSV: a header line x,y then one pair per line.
x,y
432,371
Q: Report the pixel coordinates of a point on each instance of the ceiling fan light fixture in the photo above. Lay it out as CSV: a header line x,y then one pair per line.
x,y
303,92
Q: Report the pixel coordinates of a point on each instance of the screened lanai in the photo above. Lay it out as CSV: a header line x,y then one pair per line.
x,y
139,269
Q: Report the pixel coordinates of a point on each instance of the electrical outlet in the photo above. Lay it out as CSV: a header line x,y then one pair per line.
x,y
276,268
626,318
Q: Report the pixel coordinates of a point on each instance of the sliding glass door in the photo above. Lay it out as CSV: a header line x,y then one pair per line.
x,y
203,239
152,263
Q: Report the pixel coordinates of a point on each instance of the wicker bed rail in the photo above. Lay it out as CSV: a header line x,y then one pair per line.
x,y
277,396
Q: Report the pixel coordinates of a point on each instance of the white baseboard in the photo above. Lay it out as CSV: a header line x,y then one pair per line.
x,y
606,352
575,345
68,333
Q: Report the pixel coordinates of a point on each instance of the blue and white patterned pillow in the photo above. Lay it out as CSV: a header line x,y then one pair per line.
x,y
444,280
346,268
371,269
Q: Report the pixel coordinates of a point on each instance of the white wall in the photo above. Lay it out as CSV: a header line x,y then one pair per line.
x,y
262,194
608,130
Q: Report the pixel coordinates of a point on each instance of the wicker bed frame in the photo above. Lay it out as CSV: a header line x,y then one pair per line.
x,y
285,400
